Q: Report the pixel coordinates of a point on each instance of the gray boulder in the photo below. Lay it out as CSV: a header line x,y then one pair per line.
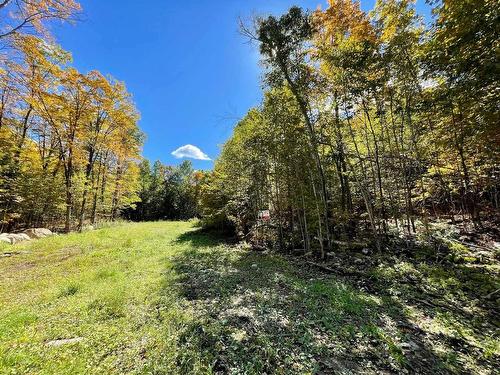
x,y
4,238
18,237
38,232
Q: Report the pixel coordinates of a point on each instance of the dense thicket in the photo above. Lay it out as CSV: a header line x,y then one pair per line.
x,y
166,192
69,142
370,123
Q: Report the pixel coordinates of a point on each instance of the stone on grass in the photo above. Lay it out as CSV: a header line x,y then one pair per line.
x,y
17,237
38,232
61,342
410,346
4,238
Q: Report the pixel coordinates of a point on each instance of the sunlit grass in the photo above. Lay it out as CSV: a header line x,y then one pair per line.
x,y
165,298
93,285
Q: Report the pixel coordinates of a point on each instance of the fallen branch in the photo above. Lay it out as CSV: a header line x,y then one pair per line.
x,y
324,268
331,270
468,244
425,302
488,296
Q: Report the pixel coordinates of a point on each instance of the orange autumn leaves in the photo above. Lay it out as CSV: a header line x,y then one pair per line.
x,y
343,20
73,133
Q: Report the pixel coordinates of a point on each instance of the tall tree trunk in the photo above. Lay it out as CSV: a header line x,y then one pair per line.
x,y
116,192
68,173
69,204
314,149
88,173
378,170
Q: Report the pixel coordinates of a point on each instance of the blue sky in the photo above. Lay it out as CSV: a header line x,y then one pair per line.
x,y
189,70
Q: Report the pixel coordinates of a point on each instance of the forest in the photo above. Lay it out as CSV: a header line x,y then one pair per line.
x,y
69,141
70,144
350,223
373,125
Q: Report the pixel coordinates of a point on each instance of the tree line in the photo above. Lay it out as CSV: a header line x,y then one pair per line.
x,y
69,141
371,123
166,192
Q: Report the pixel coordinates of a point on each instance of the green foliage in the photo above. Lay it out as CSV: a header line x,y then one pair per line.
x,y
166,193
68,141
69,290
369,122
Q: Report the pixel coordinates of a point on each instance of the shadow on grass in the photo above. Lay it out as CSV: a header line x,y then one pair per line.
x,y
260,313
202,238
440,285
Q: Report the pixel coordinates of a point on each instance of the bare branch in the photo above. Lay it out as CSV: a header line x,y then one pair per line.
x,y
248,31
4,3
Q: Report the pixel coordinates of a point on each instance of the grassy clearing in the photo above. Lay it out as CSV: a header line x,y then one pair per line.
x,y
102,286
163,298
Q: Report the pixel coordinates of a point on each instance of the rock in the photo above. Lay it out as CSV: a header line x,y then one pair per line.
x,y
410,345
23,236
17,237
254,265
350,245
366,251
61,342
338,367
4,238
38,232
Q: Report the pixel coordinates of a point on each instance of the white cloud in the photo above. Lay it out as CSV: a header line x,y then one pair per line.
x,y
190,151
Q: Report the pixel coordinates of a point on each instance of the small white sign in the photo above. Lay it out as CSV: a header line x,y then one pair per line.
x,y
265,215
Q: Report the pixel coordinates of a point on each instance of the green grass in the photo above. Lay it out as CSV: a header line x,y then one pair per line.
x,y
164,298
103,286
